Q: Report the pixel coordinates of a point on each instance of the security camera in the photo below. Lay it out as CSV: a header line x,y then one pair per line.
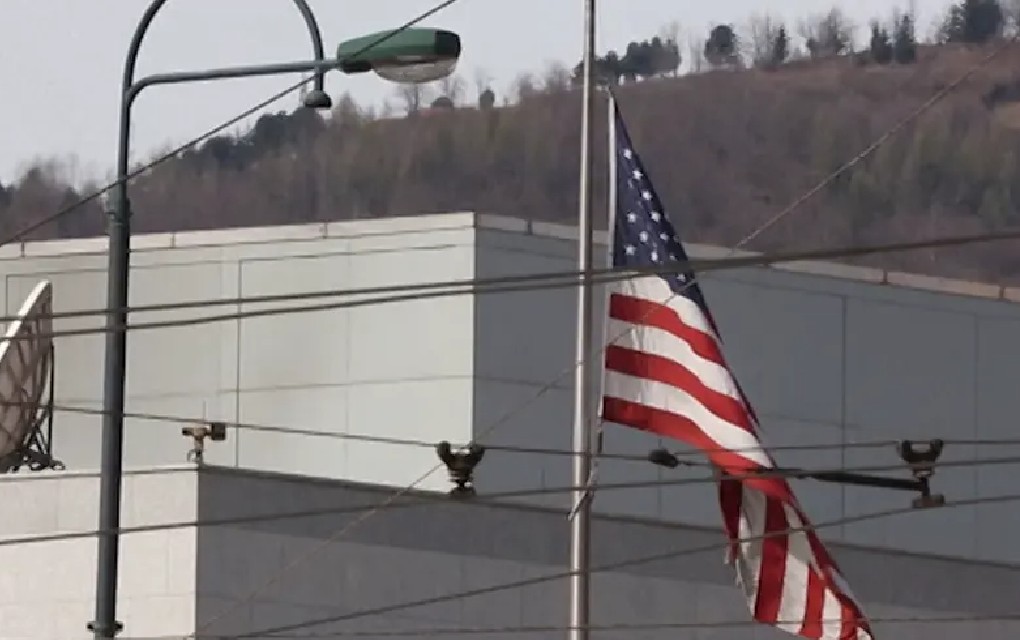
x,y
215,431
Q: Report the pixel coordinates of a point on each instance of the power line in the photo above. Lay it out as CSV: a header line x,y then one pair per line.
x,y
545,388
626,626
357,437
612,566
639,626
552,451
210,133
483,500
695,264
419,500
301,558
500,284
53,217
467,287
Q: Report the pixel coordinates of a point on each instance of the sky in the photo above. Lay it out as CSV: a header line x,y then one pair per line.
x,y
62,59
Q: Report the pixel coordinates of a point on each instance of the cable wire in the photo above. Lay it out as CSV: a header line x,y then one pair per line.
x,y
626,626
490,500
611,566
545,389
173,153
639,626
208,134
302,558
499,284
359,437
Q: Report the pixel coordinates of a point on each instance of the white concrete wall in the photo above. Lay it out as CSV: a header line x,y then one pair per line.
x,y
396,370
47,589
401,571
831,356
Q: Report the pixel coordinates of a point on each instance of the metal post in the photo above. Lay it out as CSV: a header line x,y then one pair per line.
x,y
580,523
105,624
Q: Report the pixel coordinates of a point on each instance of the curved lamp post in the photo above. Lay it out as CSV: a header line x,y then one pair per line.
x,y
401,55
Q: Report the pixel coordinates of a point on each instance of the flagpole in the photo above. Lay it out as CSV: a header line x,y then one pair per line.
x,y
580,517
611,202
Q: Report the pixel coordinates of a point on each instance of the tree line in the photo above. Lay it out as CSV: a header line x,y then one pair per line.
x,y
727,150
766,41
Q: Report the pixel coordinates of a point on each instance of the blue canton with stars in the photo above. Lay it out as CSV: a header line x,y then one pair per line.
x,y
643,235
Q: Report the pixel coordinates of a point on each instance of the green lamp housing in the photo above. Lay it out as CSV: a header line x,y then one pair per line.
x,y
407,56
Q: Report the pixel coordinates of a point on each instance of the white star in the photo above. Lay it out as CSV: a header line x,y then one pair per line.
x,y
628,154
643,236
646,195
681,277
631,217
656,216
629,249
664,236
655,256
637,174
672,257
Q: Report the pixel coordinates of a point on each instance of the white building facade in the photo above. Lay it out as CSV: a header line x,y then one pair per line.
x,y
834,356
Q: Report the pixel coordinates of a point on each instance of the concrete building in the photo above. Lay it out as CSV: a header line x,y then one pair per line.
x,y
831,356
401,570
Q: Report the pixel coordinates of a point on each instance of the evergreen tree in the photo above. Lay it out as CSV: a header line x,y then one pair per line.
x,y
881,47
487,99
904,42
781,47
721,47
973,22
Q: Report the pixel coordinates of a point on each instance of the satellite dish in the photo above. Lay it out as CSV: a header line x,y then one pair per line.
x,y
26,372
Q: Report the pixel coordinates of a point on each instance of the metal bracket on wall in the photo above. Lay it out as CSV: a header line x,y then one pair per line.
x,y
920,457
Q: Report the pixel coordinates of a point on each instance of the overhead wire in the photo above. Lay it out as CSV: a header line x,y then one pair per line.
x,y
173,153
233,606
431,499
754,234
509,415
169,155
603,627
635,626
551,451
601,568
476,286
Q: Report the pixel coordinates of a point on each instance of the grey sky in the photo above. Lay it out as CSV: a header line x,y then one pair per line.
x,y
62,59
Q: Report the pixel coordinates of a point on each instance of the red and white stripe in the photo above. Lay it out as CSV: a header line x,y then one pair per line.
x,y
665,373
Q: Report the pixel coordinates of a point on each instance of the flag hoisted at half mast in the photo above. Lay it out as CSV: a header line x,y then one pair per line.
x,y
665,373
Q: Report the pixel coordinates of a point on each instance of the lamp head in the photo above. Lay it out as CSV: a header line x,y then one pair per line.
x,y
318,99
414,55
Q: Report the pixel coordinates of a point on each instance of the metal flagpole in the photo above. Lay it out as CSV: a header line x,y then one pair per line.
x,y
580,517
610,235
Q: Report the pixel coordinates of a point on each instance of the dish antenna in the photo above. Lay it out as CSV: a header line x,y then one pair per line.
x,y
26,372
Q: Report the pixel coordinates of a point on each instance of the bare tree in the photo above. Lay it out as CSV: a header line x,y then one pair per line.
x,y
556,78
413,96
451,87
523,87
696,53
1010,17
670,31
483,80
759,41
828,34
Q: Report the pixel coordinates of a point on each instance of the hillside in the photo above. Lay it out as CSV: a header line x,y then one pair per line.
x,y
727,149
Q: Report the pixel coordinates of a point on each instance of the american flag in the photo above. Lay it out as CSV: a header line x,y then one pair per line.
x,y
665,373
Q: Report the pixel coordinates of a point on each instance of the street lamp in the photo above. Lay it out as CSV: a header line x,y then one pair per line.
x,y
411,56
401,55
